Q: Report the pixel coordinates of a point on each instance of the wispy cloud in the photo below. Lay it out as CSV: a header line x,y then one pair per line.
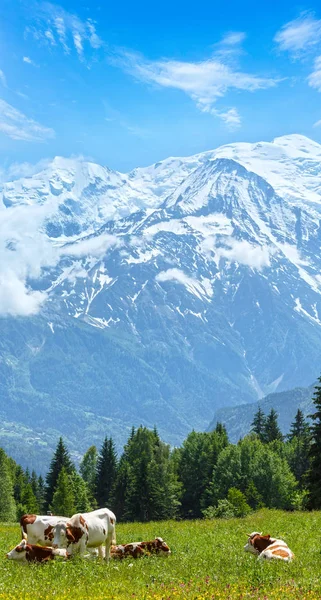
x,y
114,115
3,78
205,82
317,123
17,126
58,27
29,61
314,78
300,35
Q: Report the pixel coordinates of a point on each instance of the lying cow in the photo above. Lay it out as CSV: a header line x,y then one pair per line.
x,y
137,549
266,547
26,553
39,529
95,529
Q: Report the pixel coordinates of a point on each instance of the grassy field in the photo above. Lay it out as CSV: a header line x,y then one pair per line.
x,y
207,561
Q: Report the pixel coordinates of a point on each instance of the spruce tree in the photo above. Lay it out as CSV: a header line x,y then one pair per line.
x,y
61,459
63,501
272,431
7,502
41,494
105,473
299,427
258,423
314,475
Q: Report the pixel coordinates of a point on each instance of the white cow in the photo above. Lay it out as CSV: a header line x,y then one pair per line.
x,y
95,529
266,547
26,553
39,529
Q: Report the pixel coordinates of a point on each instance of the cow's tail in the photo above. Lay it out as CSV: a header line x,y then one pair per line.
x,y
113,531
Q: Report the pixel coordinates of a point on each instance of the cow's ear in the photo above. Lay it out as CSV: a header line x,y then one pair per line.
x,y
69,534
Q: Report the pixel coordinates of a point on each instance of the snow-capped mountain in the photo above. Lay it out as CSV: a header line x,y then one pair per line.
x,y
160,295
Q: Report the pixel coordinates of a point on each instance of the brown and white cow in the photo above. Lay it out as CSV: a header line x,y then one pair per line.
x,y
26,553
39,529
137,549
95,529
266,547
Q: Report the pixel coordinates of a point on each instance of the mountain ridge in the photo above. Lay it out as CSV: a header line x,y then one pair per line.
x,y
197,279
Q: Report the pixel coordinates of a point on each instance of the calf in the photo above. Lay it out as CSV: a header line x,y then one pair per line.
x,y
39,529
266,547
95,529
137,549
26,553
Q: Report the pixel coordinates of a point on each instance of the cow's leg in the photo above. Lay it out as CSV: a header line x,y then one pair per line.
x,y
101,551
108,543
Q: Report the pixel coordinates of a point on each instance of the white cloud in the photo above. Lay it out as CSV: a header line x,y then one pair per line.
x,y
197,288
300,35
58,27
95,246
3,78
231,117
205,82
16,298
233,38
17,126
314,78
29,61
17,170
245,253
317,123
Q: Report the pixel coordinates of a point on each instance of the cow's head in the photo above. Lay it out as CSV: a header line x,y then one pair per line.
x,y
162,546
257,542
19,552
62,535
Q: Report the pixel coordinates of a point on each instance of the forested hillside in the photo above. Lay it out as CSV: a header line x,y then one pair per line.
x,y
206,476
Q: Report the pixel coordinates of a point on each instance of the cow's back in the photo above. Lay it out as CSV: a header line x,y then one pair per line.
x,y
38,529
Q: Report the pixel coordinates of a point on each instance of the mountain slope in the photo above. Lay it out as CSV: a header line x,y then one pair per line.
x,y
158,296
238,419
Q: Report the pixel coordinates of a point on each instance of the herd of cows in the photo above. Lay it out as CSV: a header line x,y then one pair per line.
x,y
46,537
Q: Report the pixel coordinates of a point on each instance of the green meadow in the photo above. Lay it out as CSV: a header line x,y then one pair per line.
x,y
207,561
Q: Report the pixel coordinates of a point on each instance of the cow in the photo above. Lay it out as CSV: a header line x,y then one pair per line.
x,y
26,553
138,549
39,529
266,547
94,529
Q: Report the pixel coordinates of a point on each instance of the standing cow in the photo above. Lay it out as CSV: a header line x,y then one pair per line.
x,y
95,529
39,529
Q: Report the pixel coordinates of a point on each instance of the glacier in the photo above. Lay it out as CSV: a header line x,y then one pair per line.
x,y
158,296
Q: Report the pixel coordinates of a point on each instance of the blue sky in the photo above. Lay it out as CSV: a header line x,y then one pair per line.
x,y
130,83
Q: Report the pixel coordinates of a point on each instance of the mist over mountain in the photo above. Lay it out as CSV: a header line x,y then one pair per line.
x,y
158,296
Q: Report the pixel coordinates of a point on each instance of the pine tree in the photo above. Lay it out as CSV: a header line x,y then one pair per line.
x,y
60,459
7,502
314,475
41,494
258,424
63,501
272,431
299,427
106,472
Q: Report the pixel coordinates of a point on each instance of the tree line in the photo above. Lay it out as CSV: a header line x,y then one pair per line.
x,y
206,477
